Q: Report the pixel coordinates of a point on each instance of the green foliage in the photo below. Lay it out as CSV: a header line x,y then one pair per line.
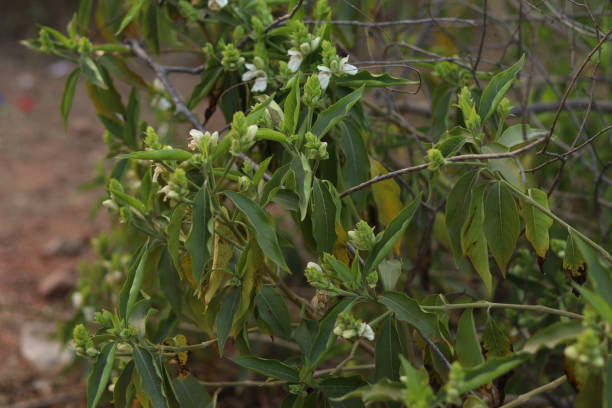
x,y
291,236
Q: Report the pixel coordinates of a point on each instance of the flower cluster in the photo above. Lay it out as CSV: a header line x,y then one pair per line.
x,y
362,237
242,135
319,279
587,349
216,5
203,141
256,71
315,148
83,344
176,189
312,91
231,59
436,159
456,381
348,327
303,43
333,65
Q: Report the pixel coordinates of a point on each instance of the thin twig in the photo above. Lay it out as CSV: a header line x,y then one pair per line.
x,y
419,21
521,399
461,158
492,305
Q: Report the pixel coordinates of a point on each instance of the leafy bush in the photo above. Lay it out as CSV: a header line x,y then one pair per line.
x,y
283,247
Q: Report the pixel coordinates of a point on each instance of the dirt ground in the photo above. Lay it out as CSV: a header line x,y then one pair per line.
x,y
44,222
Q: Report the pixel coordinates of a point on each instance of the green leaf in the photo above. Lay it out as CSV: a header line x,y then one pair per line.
x,y
206,84
151,377
271,368
408,310
291,108
497,88
467,345
272,309
473,239
506,167
303,182
336,112
134,292
388,348
599,271
391,235
457,206
91,71
264,230
501,224
489,370
537,223
173,233
126,199
597,302
225,317
513,135
552,335
270,134
159,155
334,387
131,14
323,217
370,80
573,261
68,94
100,374
190,393
495,340
384,390
123,394
197,243
124,293
355,153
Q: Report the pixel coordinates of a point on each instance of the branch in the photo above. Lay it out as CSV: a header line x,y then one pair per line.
x,y
570,86
491,305
419,21
461,158
521,399
279,21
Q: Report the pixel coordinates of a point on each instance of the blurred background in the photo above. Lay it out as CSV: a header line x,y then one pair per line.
x,y
44,209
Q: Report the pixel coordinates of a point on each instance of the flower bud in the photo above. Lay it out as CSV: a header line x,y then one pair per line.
x,y
436,159
312,91
362,237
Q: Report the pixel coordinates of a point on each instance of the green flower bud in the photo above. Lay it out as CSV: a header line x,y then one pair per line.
x,y
104,318
92,352
315,148
436,159
312,91
470,116
80,335
456,380
177,187
231,59
152,139
372,279
362,237
504,108
244,183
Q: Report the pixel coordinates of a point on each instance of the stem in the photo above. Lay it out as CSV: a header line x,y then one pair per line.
x,y
491,305
521,399
546,211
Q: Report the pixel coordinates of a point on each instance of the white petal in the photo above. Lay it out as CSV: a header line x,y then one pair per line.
x,y
250,67
196,134
324,79
314,44
295,61
323,68
247,76
260,84
293,52
349,69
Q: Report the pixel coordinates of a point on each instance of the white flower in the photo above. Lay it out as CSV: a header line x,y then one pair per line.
x,y
163,104
347,68
77,300
251,132
342,67
216,5
366,331
198,137
349,334
295,59
314,266
324,76
261,78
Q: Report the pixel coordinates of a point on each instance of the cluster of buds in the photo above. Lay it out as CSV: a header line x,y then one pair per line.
x,y
302,44
242,135
333,65
587,349
315,148
372,279
362,237
436,159
348,327
273,114
452,73
176,188
205,142
83,344
319,279
456,381
256,71
231,59
504,108
468,108
312,91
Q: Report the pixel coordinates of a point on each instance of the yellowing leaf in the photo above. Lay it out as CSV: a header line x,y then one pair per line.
x,y
187,273
340,248
386,196
222,254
